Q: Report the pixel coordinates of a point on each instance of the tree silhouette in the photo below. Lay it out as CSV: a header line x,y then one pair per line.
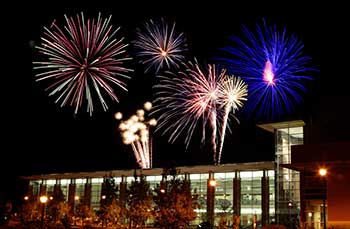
x,y
111,210
174,204
139,201
53,206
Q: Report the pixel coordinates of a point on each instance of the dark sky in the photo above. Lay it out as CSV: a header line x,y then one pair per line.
x,y
43,137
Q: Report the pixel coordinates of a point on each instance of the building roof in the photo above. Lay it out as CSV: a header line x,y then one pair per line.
x,y
315,156
251,166
280,125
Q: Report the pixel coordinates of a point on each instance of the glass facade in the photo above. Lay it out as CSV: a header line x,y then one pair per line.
x,y
199,186
272,210
96,193
35,187
65,187
287,180
250,196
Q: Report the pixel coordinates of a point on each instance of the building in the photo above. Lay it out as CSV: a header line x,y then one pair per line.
x,y
262,192
248,188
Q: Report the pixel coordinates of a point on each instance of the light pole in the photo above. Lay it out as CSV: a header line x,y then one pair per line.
x,y
323,173
43,200
103,199
290,205
75,210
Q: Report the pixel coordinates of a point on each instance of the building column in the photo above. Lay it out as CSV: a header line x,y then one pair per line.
x,y
122,193
187,183
87,193
56,188
211,186
237,194
71,194
42,190
123,196
265,200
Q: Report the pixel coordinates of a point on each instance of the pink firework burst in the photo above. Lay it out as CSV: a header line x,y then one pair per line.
x,y
159,45
183,99
83,60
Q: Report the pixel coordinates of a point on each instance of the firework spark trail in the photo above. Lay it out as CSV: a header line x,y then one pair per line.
x,y
158,44
135,131
232,92
271,63
185,98
82,59
212,90
137,154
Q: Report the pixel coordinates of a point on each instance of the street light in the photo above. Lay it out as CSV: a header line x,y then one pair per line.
x,y
43,200
76,199
103,203
323,173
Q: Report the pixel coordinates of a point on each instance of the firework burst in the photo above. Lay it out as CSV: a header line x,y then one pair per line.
x,y
83,60
271,63
159,45
135,132
185,98
232,92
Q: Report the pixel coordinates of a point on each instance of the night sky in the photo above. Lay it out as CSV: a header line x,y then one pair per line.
x,y
40,137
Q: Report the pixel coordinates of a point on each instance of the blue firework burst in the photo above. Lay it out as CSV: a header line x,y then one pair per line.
x,y
272,63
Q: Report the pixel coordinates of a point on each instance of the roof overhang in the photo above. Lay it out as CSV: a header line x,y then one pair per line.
x,y
315,166
271,127
250,166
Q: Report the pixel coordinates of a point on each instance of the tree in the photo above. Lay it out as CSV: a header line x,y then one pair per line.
x,y
111,210
226,206
29,211
85,213
139,201
236,221
174,203
63,211
53,205
109,190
